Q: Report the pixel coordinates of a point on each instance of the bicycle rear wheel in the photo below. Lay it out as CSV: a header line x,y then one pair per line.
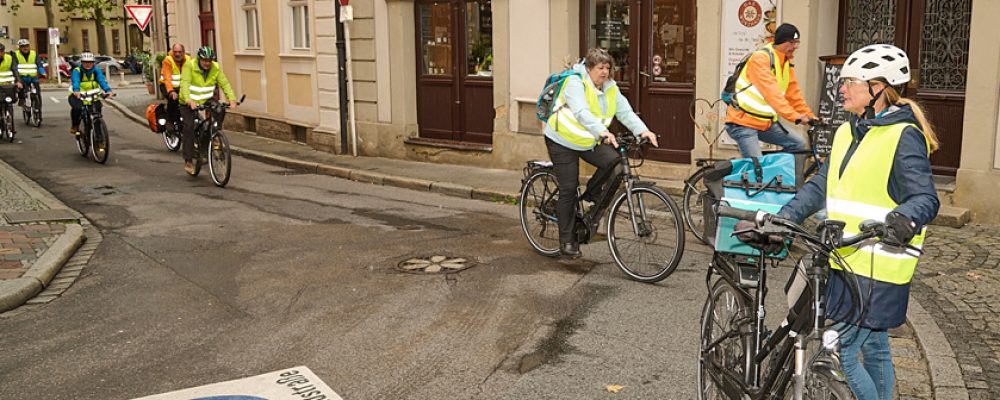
x,y
220,162
649,250
722,346
8,120
537,205
693,204
100,142
171,137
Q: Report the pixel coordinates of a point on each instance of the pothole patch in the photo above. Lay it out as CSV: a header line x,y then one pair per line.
x,y
435,264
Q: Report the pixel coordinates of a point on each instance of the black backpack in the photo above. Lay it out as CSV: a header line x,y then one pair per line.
x,y
729,92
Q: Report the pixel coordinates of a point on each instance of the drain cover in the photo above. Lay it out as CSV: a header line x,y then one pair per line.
x,y
436,264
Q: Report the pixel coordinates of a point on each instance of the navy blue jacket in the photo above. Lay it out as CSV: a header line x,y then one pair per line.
x,y
911,186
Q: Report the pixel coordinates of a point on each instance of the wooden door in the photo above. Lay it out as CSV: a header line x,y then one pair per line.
x,y
653,44
935,36
454,70
206,16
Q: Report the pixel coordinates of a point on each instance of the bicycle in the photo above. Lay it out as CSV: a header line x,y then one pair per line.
x,y
692,201
736,347
94,136
32,107
211,144
172,134
643,217
7,130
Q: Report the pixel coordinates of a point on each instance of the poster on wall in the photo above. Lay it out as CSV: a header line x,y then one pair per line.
x,y
746,26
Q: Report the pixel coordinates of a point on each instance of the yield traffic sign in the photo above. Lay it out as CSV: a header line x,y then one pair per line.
x,y
140,14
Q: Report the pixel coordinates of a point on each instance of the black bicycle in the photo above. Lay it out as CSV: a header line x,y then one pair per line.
x,y
32,107
94,136
211,145
693,202
644,229
7,130
739,357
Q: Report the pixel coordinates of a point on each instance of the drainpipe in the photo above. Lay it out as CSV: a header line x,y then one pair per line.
x,y
342,79
166,24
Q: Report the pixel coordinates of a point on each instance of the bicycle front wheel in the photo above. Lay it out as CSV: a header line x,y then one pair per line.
x,y
537,205
36,107
100,142
722,346
220,162
693,204
646,237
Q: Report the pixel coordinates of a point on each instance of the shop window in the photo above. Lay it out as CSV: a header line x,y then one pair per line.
x,y
609,22
435,38
673,42
479,40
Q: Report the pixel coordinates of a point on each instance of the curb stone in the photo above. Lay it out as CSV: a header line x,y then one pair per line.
x,y
946,376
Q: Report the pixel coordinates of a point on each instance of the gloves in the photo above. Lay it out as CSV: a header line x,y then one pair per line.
x,y
769,244
899,229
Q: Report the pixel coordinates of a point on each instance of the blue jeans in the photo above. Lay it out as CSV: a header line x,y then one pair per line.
x,y
875,378
748,139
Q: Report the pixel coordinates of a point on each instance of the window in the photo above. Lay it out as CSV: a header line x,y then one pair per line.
x,y
23,32
250,24
479,39
86,40
435,37
300,24
115,42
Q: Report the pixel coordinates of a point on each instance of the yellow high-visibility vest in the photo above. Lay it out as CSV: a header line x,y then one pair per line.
x,y
568,127
750,99
26,67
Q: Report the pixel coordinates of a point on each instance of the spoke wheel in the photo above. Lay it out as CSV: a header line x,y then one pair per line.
x,y
82,144
537,205
694,206
36,106
724,309
100,142
197,153
8,133
172,137
649,250
220,162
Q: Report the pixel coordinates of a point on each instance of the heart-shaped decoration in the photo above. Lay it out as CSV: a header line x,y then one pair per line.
x,y
705,115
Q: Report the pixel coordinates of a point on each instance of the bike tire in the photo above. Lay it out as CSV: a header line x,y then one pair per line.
x,y
197,153
661,229
82,145
171,138
537,205
220,161
9,132
693,204
724,306
36,105
100,142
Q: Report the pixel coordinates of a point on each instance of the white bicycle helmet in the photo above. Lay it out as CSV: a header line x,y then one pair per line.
x,y
878,61
85,57
23,42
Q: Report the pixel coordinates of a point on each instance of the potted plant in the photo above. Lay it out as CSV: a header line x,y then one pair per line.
x,y
150,66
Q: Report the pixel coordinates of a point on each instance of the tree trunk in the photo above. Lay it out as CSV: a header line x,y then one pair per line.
x,y
50,16
102,36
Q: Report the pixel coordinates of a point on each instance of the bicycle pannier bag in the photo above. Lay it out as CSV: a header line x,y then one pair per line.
x,y
156,117
766,183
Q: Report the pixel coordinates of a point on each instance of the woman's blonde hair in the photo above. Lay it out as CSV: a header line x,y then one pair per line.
x,y
893,97
597,56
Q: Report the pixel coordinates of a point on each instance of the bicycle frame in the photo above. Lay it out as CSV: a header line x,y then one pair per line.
x,y
592,217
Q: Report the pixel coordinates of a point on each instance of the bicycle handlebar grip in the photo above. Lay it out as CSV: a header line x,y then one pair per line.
x,y
746,215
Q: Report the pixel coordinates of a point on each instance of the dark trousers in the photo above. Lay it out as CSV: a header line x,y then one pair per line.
x,y
77,109
187,137
566,163
173,107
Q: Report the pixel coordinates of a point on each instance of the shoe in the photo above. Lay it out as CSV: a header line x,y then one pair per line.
x,y
570,250
189,167
74,130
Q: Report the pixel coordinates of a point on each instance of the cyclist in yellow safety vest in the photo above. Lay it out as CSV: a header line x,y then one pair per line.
x,y
879,169
766,90
10,80
581,115
199,79
29,66
87,83
170,79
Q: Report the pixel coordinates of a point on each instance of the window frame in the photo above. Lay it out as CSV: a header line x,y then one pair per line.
x,y
243,28
289,33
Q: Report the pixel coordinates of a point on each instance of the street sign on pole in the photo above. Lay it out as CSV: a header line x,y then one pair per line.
x,y
54,36
140,14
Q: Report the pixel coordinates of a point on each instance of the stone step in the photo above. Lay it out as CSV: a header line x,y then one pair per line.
x,y
952,216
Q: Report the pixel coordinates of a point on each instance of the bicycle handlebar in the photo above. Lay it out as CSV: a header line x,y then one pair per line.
x,y
813,122
221,105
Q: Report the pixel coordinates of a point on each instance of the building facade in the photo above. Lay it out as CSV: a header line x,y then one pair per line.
x,y
455,81
77,34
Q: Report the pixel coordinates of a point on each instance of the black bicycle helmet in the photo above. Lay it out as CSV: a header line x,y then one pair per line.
x,y
206,53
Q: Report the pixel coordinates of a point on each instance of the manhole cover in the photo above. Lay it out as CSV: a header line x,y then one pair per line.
x,y
436,264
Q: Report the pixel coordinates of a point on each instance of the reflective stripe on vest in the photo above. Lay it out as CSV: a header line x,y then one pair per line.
x,y
750,99
201,88
861,193
200,93
569,128
6,74
175,76
26,67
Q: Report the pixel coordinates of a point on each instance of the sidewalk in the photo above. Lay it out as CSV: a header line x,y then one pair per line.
x,y
37,235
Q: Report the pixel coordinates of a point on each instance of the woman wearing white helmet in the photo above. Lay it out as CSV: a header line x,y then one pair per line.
x,y
878,169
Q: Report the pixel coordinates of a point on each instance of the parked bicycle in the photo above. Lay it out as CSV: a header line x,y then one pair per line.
x,y
692,202
94,134
740,358
211,145
32,107
7,130
644,229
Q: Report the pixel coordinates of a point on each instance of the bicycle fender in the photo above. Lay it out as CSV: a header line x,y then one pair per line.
x,y
828,367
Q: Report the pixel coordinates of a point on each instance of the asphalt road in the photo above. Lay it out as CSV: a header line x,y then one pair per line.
x,y
194,285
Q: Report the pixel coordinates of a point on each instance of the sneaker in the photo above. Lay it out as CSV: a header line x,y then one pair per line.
x,y
75,131
189,167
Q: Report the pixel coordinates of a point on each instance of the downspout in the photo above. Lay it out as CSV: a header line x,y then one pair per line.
x,y
166,25
342,79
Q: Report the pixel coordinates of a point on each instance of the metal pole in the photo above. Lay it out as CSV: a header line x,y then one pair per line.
x,y
341,78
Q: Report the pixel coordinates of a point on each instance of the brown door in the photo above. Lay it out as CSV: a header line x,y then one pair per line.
x,y
455,70
41,43
653,43
206,16
935,36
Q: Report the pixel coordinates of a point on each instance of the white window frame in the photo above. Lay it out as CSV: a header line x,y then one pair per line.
x,y
246,40
297,41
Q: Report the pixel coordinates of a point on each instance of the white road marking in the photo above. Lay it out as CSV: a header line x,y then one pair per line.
x,y
54,100
297,383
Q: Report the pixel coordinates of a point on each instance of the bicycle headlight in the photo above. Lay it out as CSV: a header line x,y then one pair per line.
x,y
831,340
7,99
161,121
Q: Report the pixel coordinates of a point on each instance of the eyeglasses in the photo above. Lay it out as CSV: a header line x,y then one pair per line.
x,y
848,82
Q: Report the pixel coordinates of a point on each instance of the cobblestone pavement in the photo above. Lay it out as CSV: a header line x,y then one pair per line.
x,y
958,283
21,245
13,198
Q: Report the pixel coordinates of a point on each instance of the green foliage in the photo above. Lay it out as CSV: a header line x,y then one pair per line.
x,y
150,65
89,9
